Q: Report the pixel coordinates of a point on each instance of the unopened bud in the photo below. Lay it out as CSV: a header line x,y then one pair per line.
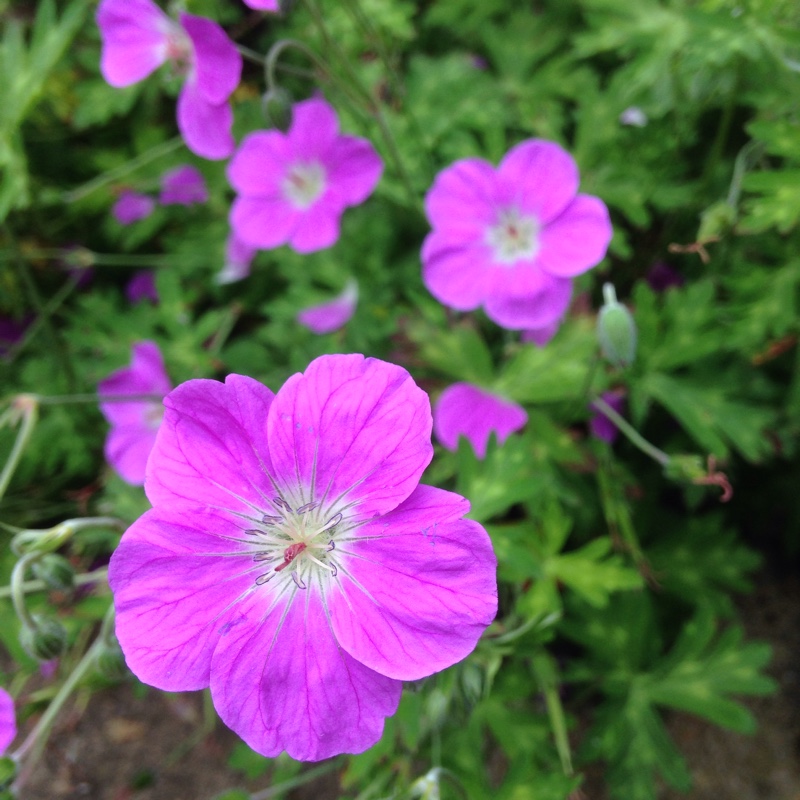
x,y
55,571
276,106
110,661
47,639
616,330
716,221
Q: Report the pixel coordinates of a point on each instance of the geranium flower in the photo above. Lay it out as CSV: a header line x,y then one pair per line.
x,y
466,410
238,257
330,316
142,286
132,206
600,426
292,562
8,720
184,186
134,424
138,37
293,187
263,5
510,239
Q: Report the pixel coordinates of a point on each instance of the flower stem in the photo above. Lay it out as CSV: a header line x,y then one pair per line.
x,y
17,593
630,432
28,587
68,399
544,670
306,777
49,539
28,407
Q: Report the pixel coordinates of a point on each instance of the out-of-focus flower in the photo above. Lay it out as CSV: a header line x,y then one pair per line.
x,y
633,116
132,206
510,239
541,336
600,425
293,563
238,257
661,276
466,410
142,286
184,186
8,720
138,37
294,187
263,5
330,316
11,331
134,424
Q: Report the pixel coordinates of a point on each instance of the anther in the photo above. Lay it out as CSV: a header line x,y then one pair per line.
x,y
262,579
331,523
296,578
270,520
281,503
263,557
331,546
307,507
252,532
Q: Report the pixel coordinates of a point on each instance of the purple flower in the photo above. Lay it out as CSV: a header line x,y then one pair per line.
x,y
465,410
138,37
330,316
238,256
132,206
600,425
263,5
142,286
510,239
541,336
291,560
294,187
11,331
184,186
8,720
661,276
134,424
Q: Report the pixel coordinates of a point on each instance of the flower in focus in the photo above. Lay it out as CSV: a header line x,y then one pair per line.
x,y
238,257
541,336
293,563
466,410
184,186
8,720
142,286
293,187
134,424
138,37
330,316
132,206
510,239
600,425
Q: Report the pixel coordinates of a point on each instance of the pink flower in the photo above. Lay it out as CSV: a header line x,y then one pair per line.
x,y
292,562
134,424
541,336
138,37
600,425
465,410
184,186
132,206
8,720
294,187
142,286
264,5
510,239
330,316
238,256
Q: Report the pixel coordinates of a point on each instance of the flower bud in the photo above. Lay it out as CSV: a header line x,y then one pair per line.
x,y
110,661
276,105
55,571
46,640
616,330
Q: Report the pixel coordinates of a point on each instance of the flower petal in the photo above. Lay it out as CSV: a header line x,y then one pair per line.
x,y
465,410
8,720
135,36
527,298
184,185
259,166
261,222
455,271
282,683
543,175
462,198
354,169
576,240
127,450
173,600
317,227
205,127
418,587
351,429
314,129
330,316
217,62
211,448
264,5
131,206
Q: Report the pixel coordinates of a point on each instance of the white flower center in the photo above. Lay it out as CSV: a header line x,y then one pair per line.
x,y
153,415
297,543
304,183
514,236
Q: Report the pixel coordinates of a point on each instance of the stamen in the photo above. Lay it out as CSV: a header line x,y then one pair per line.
x,y
262,579
321,563
252,532
331,523
296,578
270,520
263,556
281,503
307,507
331,546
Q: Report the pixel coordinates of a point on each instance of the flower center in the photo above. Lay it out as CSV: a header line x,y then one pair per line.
x,y
153,415
297,543
514,236
304,183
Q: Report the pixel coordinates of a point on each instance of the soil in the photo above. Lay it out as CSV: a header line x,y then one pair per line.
x,y
125,746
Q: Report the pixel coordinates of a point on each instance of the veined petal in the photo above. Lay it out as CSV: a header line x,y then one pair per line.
x,y
127,450
352,428
211,449
205,126
217,62
283,683
418,587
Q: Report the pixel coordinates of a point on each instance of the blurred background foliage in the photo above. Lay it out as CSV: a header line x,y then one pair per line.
x,y
618,586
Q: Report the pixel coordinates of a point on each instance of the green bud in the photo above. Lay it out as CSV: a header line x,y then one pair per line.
x,y
616,330
276,106
685,468
110,661
46,640
55,571
716,221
